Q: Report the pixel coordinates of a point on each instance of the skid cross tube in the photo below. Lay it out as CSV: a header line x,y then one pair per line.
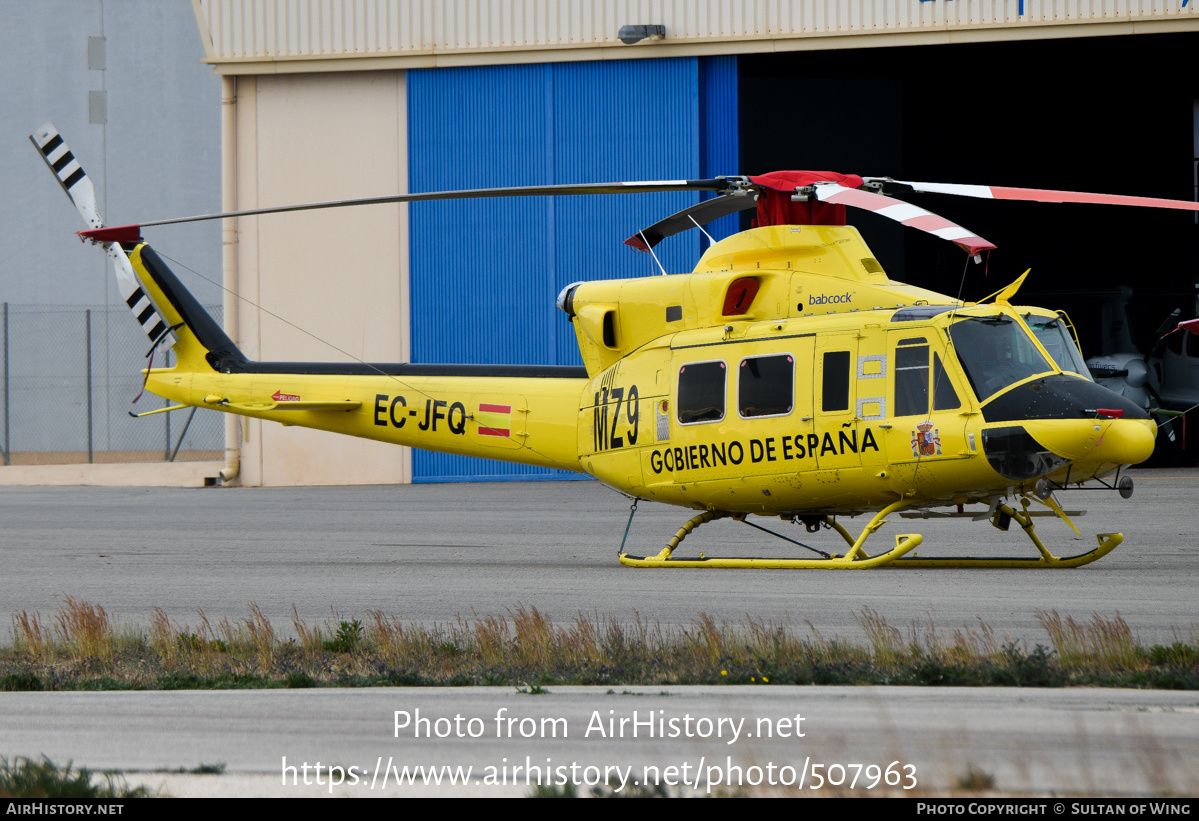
x,y
854,559
743,521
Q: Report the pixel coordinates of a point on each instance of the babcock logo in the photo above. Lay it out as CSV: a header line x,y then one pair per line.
x,y
830,299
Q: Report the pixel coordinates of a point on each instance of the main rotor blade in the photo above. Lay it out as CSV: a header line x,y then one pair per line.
x,y
905,213
995,192
568,189
692,216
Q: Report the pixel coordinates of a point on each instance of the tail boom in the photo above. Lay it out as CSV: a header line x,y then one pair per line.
x,y
529,420
514,413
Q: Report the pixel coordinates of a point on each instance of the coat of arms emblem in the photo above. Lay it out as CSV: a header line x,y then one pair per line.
x,y
926,440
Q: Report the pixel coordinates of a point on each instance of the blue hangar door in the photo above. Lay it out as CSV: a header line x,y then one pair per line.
x,y
485,273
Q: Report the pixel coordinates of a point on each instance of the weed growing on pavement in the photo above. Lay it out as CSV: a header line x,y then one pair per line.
x,y
87,648
26,778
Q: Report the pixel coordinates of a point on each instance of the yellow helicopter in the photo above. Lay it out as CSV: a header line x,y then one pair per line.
x,y
785,376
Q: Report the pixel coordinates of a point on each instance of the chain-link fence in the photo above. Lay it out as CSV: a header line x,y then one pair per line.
x,y
68,381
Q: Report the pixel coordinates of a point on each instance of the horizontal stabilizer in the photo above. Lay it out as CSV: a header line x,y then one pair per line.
x,y
294,405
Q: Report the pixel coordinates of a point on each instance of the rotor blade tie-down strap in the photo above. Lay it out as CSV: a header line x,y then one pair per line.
x,y
632,512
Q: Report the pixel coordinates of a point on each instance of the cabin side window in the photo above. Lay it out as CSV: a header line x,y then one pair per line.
x,y
766,386
701,392
834,394
912,386
911,379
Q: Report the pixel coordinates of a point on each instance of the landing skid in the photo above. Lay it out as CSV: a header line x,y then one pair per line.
x,y
1107,543
857,559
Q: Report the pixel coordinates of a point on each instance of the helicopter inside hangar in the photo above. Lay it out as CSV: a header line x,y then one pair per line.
x,y
1008,118
1030,113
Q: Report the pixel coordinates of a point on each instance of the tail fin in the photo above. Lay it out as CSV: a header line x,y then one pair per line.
x,y
202,336
79,188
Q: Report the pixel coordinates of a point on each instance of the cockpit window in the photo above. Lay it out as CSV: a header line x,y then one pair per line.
x,y
1051,332
944,396
995,352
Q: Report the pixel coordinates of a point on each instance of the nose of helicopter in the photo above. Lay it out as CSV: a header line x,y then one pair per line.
x,y
1124,441
1113,441
1062,418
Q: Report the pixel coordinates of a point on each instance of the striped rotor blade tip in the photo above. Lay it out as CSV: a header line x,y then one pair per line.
x,y
913,216
69,172
996,192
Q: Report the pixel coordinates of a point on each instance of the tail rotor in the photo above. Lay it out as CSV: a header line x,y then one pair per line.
x,y
78,187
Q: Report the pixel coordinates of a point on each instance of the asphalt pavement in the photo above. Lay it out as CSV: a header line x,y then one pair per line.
x,y
434,553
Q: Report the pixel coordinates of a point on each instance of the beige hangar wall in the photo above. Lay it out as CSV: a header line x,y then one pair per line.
x,y
341,275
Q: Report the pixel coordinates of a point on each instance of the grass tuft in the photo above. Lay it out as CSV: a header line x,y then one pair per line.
x,y
260,633
28,634
26,778
85,628
887,641
1107,643
567,790
975,780
208,769
312,640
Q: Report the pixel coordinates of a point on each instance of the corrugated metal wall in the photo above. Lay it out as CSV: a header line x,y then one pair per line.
x,y
485,273
720,152
301,29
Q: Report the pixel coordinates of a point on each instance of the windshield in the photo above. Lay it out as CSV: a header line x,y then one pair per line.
x,y
1051,332
995,352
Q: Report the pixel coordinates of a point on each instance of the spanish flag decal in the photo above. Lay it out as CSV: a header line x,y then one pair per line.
x,y
495,420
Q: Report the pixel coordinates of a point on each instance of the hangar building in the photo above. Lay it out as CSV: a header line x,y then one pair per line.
x,y
329,99
344,99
